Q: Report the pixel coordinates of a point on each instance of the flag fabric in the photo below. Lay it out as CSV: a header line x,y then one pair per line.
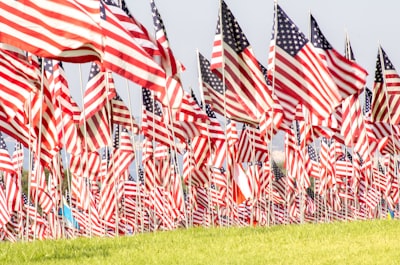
x,y
59,99
153,125
349,77
73,35
368,102
168,60
17,80
5,159
386,96
4,212
222,100
251,146
234,59
98,91
241,187
297,69
123,155
120,114
137,30
124,56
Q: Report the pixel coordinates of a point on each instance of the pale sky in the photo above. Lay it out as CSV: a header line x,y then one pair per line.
x,y
191,25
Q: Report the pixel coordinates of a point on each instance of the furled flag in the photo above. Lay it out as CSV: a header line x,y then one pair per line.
x,y
233,58
386,99
297,69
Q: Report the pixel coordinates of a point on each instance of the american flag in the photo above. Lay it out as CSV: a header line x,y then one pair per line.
x,y
17,80
5,159
4,212
214,127
153,125
141,175
74,38
368,101
123,154
85,164
60,98
348,50
298,70
252,146
95,129
353,126
386,97
97,92
18,157
124,56
217,96
349,77
233,55
122,115
138,31
312,153
278,174
168,61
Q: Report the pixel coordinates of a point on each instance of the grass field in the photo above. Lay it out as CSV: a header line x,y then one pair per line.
x,y
368,242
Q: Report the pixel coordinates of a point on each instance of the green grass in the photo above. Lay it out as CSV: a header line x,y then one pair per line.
x,y
369,242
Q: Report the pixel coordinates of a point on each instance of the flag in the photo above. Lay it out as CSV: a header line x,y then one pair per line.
x,y
136,29
153,125
124,56
62,30
4,212
17,80
59,97
297,69
168,61
98,91
234,59
121,115
349,77
386,96
252,146
368,102
95,124
222,100
5,159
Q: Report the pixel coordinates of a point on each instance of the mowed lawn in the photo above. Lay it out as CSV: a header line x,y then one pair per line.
x,y
366,242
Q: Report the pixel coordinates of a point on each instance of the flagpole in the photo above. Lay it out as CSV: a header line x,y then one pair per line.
x,y
271,211
85,154
138,198
29,166
228,172
395,148
211,176
39,149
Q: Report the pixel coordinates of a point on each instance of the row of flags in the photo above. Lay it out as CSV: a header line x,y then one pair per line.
x,y
96,171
